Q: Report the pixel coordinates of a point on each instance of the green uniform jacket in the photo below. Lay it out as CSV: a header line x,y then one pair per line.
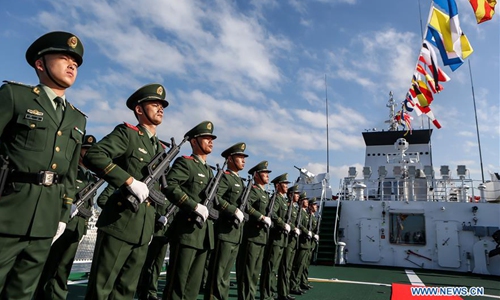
x,y
258,200
79,223
304,230
314,228
277,233
292,237
34,141
125,152
186,182
230,190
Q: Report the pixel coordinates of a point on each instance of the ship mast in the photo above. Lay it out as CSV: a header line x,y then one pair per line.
x,y
391,104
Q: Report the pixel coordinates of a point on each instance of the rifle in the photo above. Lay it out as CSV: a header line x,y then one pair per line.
x,y
4,171
85,195
244,201
299,219
288,218
211,196
157,169
171,211
309,226
270,210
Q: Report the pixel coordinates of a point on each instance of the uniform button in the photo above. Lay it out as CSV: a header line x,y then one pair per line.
x,y
32,125
119,203
59,133
58,149
54,166
148,203
141,159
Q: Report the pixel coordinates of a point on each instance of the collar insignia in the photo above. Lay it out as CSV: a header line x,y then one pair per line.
x,y
35,112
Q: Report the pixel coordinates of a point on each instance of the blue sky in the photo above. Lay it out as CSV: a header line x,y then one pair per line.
x,y
256,69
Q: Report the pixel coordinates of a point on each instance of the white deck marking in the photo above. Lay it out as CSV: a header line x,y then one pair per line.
x,y
413,278
348,281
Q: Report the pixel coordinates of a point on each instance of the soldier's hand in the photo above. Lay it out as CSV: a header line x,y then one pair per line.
x,y
202,211
310,234
139,189
297,231
163,220
316,237
267,221
74,211
287,228
60,230
239,215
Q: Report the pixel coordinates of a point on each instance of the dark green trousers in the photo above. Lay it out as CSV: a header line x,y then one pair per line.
x,y
148,282
185,272
114,273
53,283
223,258
248,266
21,264
272,260
299,264
285,269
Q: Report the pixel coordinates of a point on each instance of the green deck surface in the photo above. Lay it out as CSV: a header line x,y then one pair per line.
x,y
355,282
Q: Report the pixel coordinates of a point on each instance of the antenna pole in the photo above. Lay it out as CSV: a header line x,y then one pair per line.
x,y
327,136
477,126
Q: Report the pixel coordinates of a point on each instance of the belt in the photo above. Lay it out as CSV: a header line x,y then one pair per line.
x,y
46,178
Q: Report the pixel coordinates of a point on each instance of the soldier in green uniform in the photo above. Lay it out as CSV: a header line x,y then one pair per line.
x,y
285,268
41,134
299,262
313,208
123,235
53,282
186,184
251,252
278,234
228,235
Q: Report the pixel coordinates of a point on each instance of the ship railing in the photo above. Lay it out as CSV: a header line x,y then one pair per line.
x,y
410,189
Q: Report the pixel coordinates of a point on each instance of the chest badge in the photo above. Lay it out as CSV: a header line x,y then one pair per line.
x,y
201,175
143,151
35,112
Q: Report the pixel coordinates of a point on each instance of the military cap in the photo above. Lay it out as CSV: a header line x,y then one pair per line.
x,y
260,167
294,189
205,128
55,42
303,196
312,201
149,92
236,149
283,178
88,141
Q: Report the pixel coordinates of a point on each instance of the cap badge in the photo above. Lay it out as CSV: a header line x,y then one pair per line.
x,y
73,42
159,91
242,146
209,126
90,139
265,164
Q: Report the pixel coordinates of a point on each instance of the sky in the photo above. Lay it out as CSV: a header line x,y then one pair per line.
x,y
257,70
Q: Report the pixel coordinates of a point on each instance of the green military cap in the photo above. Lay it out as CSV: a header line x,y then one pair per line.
x,y
149,92
88,141
312,201
260,167
236,149
55,42
205,128
294,189
303,196
283,178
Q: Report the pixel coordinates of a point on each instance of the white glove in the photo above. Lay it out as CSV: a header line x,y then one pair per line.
x,y
60,230
267,221
297,231
310,234
74,211
287,228
202,211
163,220
316,237
150,240
239,215
139,189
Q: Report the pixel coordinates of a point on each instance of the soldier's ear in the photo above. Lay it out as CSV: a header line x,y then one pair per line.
x,y
39,65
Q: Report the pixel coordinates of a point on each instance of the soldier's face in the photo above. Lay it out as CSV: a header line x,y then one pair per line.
x,y
282,187
305,203
262,177
62,67
238,161
154,111
296,197
204,143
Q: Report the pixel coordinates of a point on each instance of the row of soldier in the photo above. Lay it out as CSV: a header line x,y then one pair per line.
x,y
46,156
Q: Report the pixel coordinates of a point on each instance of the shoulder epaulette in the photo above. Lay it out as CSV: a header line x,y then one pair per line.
x,y
254,186
77,110
19,83
163,145
187,157
131,126
227,172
